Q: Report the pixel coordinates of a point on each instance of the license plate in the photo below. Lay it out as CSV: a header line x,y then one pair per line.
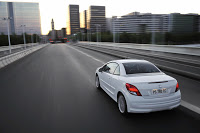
x,y
159,91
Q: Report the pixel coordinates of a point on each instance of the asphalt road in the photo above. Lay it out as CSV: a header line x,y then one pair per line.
x,y
53,91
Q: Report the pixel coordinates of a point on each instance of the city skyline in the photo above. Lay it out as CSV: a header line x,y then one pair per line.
x,y
58,10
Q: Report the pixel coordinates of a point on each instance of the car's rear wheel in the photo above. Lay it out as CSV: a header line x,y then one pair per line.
x,y
122,104
97,83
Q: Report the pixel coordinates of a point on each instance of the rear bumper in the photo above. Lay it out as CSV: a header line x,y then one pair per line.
x,y
137,104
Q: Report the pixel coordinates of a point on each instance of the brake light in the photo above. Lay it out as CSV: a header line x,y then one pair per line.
x,y
133,90
177,87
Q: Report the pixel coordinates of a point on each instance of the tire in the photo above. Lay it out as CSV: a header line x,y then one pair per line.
x,y
122,106
97,83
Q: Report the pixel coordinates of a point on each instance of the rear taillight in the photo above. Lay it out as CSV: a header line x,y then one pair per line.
x,y
133,90
177,87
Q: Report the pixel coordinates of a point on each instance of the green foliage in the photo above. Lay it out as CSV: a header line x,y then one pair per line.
x,y
146,38
142,38
17,39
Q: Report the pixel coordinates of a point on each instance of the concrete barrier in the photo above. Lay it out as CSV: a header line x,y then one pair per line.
x,y
6,60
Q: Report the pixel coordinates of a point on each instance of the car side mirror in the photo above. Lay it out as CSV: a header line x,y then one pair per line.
x,y
107,68
101,69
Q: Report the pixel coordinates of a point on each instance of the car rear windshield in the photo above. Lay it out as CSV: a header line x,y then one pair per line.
x,y
140,67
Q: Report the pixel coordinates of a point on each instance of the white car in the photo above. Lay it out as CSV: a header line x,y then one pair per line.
x,y
138,86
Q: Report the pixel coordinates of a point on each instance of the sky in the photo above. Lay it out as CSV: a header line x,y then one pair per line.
x,y
57,9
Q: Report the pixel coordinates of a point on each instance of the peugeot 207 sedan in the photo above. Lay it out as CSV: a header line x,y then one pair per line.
x,y
138,86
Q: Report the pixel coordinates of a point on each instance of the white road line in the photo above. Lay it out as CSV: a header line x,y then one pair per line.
x,y
183,103
190,106
87,55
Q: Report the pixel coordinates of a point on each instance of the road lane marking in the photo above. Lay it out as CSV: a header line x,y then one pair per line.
x,y
183,103
190,106
87,55
91,78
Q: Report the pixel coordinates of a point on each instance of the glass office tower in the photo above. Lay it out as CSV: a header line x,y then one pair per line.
x,y
22,13
73,21
96,15
3,14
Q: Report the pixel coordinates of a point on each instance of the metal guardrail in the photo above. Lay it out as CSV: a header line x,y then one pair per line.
x,y
166,68
4,50
152,47
153,55
6,60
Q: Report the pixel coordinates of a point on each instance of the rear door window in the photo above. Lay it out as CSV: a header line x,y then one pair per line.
x,y
112,67
117,71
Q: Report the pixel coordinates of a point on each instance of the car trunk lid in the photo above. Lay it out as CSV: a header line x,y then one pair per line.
x,y
154,84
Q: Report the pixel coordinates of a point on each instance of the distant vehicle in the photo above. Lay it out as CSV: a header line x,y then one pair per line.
x,y
138,86
58,42
52,42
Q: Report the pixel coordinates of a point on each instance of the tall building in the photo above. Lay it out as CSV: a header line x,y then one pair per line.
x,y
183,23
73,21
146,23
3,14
109,24
140,23
83,19
53,35
96,16
25,14
63,32
199,23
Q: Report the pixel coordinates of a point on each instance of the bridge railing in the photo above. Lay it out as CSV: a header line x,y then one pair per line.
x,y
4,61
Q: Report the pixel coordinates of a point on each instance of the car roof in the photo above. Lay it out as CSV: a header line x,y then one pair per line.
x,y
128,61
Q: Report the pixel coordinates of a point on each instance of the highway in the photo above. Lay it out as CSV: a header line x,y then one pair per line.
x,y
52,91
166,62
178,63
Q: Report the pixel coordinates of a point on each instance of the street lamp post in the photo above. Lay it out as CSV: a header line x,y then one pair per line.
x,y
100,33
82,35
87,34
90,36
114,30
7,19
24,35
36,38
31,37
153,32
97,30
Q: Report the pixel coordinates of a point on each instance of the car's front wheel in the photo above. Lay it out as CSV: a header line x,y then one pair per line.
x,y
97,83
122,104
